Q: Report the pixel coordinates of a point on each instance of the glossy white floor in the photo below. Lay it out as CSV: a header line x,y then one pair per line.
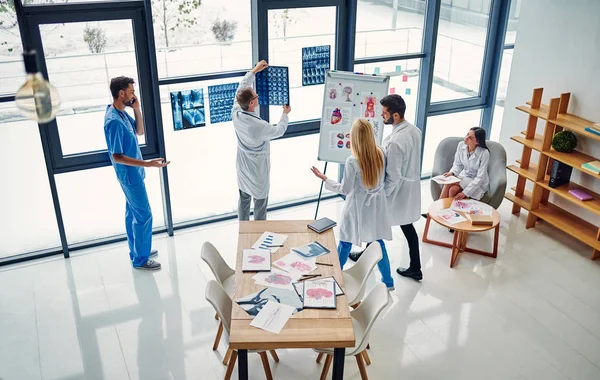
x,y
533,313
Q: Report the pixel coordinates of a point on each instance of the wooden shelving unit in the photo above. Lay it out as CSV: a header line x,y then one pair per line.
x,y
536,202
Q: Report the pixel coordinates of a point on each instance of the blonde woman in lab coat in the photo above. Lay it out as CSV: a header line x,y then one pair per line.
x,y
365,217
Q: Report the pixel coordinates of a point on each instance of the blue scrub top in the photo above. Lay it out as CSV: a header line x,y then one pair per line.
x,y
119,131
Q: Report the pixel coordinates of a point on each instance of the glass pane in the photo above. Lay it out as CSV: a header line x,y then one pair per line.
x,y
381,30
202,174
507,57
81,59
93,204
11,62
51,2
513,21
404,81
440,127
196,37
290,30
292,179
29,221
460,49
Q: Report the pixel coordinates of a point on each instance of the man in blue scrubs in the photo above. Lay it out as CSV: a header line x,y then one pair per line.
x,y
120,131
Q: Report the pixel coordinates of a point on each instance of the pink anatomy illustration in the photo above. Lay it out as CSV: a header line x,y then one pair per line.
x,y
301,267
255,259
318,293
278,279
370,109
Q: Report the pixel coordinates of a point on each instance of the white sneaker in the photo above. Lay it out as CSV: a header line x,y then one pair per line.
x,y
150,265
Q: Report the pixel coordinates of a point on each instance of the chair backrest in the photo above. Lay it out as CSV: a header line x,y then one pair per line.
x,y
365,315
220,301
363,267
444,157
215,261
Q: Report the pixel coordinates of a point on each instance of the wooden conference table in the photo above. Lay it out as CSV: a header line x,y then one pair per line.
x,y
310,328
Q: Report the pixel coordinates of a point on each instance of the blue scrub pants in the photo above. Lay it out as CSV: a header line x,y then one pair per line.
x,y
138,223
344,249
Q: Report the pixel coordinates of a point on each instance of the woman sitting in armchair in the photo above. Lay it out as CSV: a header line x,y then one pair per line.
x,y
470,166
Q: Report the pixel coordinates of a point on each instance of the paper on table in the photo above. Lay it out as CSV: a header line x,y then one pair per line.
x,y
269,238
273,317
451,216
445,180
294,264
299,287
276,278
480,209
463,205
256,260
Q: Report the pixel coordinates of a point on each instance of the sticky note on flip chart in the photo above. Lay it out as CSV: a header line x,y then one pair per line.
x,y
377,70
392,90
404,78
398,68
407,91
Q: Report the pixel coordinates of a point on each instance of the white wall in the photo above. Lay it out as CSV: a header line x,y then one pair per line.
x,y
557,48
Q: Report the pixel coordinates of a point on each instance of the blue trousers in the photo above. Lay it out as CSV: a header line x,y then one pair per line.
x,y
344,249
138,223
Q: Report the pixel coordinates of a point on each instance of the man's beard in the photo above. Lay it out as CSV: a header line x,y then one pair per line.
x,y
388,121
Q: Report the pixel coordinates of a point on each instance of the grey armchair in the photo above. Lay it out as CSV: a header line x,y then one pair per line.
x,y
444,157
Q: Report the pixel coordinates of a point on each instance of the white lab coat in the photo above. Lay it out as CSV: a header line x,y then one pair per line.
x,y
254,149
474,168
403,174
365,217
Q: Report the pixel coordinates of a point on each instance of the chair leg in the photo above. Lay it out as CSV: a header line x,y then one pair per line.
x,y
361,367
218,337
365,355
227,356
355,305
217,316
369,346
266,366
328,361
231,365
320,356
274,355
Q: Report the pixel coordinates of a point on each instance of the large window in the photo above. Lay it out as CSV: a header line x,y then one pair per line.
x,y
384,31
462,34
194,37
28,221
290,30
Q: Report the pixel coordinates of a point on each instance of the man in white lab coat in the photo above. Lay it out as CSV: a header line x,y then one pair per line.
x,y
403,177
253,153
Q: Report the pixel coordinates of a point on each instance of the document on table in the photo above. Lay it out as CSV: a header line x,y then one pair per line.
x,y
442,180
270,241
273,317
451,216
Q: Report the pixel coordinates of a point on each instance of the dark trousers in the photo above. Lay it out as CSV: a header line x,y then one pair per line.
x,y
413,245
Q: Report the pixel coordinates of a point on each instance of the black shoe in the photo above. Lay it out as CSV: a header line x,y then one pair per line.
x,y
424,216
416,275
450,230
354,256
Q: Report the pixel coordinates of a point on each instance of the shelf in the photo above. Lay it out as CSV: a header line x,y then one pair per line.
x,y
535,143
565,120
563,192
569,223
524,201
574,159
530,173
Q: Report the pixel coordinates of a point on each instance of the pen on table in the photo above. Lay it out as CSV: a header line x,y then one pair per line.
x,y
328,265
273,246
308,277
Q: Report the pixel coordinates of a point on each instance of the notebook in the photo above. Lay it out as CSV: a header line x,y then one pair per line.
x,y
580,194
480,220
322,225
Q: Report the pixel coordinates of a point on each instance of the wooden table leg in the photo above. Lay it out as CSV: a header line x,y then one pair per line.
x,y
496,236
426,229
339,354
242,364
455,247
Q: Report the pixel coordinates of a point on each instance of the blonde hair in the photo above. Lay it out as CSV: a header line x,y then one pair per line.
x,y
370,158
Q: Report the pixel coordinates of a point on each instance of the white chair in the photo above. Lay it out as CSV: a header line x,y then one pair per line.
x,y
355,278
223,274
220,300
363,319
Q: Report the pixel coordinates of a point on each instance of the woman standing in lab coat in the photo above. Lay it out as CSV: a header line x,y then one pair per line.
x,y
365,217
470,166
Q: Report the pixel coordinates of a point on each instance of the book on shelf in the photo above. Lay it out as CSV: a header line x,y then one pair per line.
x,y
593,130
596,126
593,164
580,194
590,168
